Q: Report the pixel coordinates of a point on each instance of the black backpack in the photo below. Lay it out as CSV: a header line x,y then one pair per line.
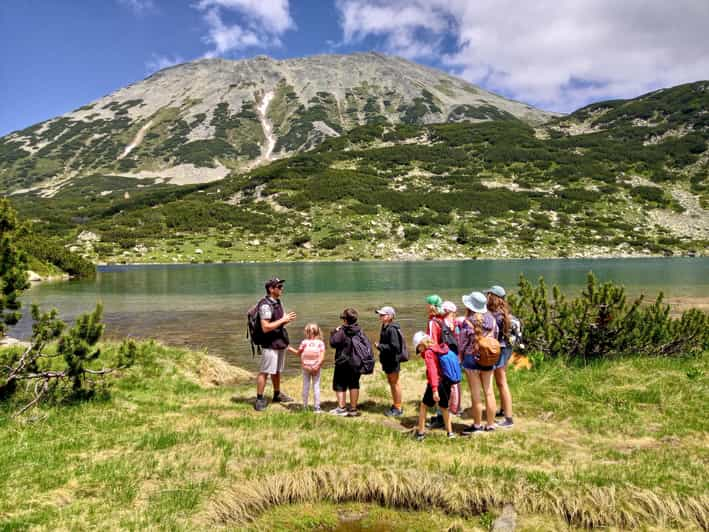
x,y
404,354
448,336
254,332
361,355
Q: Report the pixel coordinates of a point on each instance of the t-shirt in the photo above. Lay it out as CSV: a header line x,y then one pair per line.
x,y
265,311
312,349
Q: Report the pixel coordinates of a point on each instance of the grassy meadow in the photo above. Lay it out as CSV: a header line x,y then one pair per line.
x,y
177,445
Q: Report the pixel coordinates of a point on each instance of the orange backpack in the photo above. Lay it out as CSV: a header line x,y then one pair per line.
x,y
488,347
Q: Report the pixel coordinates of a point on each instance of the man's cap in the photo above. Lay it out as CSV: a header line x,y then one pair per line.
x,y
274,281
386,311
497,290
449,306
475,301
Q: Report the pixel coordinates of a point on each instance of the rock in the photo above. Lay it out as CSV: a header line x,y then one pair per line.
x,y
198,251
8,341
33,277
88,236
506,522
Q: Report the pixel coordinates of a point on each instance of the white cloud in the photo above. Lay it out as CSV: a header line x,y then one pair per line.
x,y
158,62
557,55
138,6
263,23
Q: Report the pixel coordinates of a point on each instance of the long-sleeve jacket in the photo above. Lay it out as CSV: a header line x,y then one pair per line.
x,y
433,365
341,340
389,342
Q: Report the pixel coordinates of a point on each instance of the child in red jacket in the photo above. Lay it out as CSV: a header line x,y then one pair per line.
x,y
438,389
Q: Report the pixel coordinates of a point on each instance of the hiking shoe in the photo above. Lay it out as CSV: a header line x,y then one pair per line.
x,y
282,398
489,428
507,423
419,436
338,411
500,413
451,435
470,430
394,412
317,410
435,423
260,404
353,413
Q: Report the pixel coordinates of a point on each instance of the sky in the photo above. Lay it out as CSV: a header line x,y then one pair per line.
x,y
57,55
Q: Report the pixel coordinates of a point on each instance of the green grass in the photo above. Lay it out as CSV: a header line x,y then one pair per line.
x,y
165,452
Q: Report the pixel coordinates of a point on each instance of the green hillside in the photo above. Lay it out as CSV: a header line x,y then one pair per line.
x,y
614,178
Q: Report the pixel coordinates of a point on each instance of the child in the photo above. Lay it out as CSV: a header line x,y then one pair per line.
x,y
438,387
345,377
449,318
389,346
312,355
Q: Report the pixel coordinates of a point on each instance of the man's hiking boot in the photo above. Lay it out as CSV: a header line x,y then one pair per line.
x,y
260,404
419,436
282,398
338,411
507,423
471,429
394,412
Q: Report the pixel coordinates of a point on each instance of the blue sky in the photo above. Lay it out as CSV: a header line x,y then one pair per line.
x,y
57,55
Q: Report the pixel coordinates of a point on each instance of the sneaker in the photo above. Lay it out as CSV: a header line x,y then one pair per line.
x,y
471,429
260,404
500,413
435,423
353,413
338,411
419,436
317,410
507,423
394,412
282,398
451,435
489,428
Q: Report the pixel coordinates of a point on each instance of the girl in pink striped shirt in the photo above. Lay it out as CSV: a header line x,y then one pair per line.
x,y
312,355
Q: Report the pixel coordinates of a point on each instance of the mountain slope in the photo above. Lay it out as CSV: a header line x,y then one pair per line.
x,y
198,121
490,189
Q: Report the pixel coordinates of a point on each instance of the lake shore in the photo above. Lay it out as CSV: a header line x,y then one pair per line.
x,y
178,445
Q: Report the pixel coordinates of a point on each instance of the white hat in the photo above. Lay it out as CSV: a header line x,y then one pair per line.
x,y
419,337
497,290
475,301
449,306
386,311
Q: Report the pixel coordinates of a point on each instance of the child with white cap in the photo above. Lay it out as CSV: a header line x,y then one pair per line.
x,y
390,347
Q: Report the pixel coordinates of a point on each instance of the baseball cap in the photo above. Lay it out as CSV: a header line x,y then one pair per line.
x,y
419,337
449,306
497,290
386,311
434,300
274,281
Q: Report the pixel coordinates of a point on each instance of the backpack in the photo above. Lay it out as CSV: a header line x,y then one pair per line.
x,y
254,332
447,336
450,367
515,332
488,347
361,355
404,355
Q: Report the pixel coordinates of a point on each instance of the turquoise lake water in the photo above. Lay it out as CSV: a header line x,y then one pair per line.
x,y
204,305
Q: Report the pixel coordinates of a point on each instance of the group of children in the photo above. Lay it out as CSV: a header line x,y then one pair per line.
x,y
449,343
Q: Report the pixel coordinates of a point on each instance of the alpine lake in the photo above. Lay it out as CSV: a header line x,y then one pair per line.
x,y
204,306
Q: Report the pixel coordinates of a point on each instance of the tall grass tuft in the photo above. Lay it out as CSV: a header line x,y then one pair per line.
x,y
417,490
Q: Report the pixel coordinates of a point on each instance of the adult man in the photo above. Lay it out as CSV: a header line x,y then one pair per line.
x,y
273,349
389,346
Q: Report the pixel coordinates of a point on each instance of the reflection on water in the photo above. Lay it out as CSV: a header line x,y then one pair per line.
x,y
205,305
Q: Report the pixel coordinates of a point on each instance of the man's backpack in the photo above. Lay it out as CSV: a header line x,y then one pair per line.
x,y
450,367
361,355
404,354
254,332
448,336
488,347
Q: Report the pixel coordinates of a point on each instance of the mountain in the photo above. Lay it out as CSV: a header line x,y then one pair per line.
x,y
199,121
616,178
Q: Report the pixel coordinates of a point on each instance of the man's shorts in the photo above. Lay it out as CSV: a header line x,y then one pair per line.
x,y
444,394
272,361
345,378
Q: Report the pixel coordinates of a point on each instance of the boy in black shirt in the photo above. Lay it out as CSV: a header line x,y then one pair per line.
x,y
389,355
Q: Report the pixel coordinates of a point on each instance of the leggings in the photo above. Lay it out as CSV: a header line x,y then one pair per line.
x,y
307,377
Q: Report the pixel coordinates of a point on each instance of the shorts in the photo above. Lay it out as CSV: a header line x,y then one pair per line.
x,y
390,365
272,361
505,355
345,378
444,394
471,363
